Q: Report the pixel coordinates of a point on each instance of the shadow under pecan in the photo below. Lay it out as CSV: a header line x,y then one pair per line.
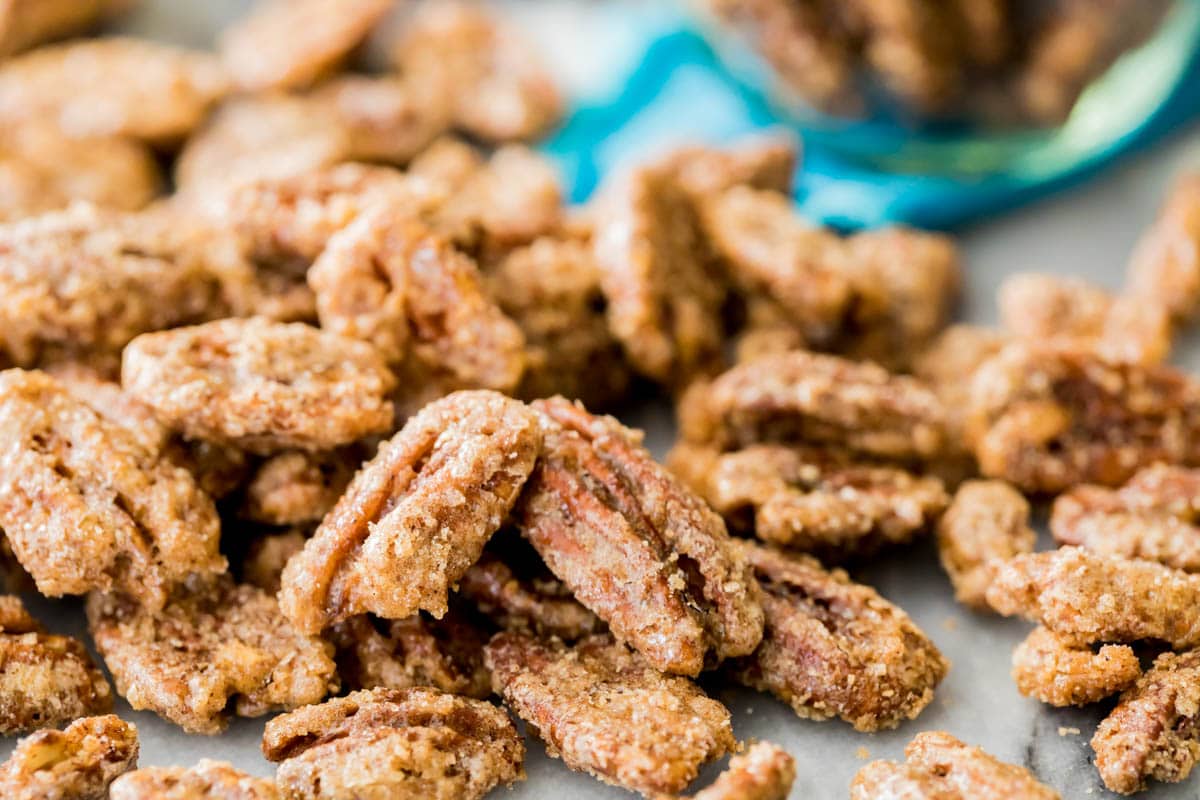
x,y
298,487
637,548
833,647
987,522
77,763
394,744
207,780
1060,672
417,515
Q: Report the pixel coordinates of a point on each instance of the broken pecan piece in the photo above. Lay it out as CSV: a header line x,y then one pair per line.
x,y
296,487
987,522
604,710
417,515
77,763
1059,672
267,555
764,772
208,780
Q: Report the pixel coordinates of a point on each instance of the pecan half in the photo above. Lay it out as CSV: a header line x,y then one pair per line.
x,y
1059,672
988,522
77,763
208,780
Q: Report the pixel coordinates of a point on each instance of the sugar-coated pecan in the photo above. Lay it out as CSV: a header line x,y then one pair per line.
x,y
938,766
817,501
208,780
1047,417
635,546
267,555
394,744
1154,731
417,515
30,22
803,397
911,46
604,710
947,366
44,679
833,647
1088,597
1153,516
216,644
261,385
284,45
1062,673
296,487
758,162
86,506
987,522
1165,268
764,772
77,763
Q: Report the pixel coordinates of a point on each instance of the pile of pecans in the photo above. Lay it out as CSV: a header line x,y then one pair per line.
x,y
320,432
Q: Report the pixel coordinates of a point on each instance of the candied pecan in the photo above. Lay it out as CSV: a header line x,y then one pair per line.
x,y
758,162
1089,597
446,654
634,546
816,399
268,555
813,500
394,744
664,291
768,329
913,49
86,506
106,398
1154,731
948,364
499,89
285,44
114,85
392,281
551,289
764,772
1059,672
218,469
261,385
78,763
296,487
940,767
1047,417
44,679
1165,267
213,643
208,780
384,117
605,710
874,667
1153,516
417,515
25,23
987,522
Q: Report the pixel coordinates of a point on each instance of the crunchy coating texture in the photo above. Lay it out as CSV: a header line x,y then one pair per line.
x,y
112,86
297,487
987,522
1153,517
394,744
940,767
87,506
44,679
947,365
208,780
604,710
215,645
499,89
417,515
446,654
635,546
760,162
816,399
288,44
260,385
764,772
1090,597
1045,418
25,23
77,763
390,280
268,555
663,287
1059,672
833,647
1165,266
1154,731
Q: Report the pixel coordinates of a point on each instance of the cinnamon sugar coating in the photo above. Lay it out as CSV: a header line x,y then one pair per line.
x,y
207,780
948,364
764,772
1059,672
987,522
1165,266
77,763
297,487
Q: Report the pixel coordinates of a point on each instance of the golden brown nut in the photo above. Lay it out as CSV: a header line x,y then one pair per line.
x,y
208,780
1153,517
78,763
1045,418
1059,672
948,364
86,506
1165,267
833,647
912,48
44,679
260,385
604,710
764,772
987,522
288,44
417,515
112,86
268,555
1088,597
758,162
214,646
25,23
297,487
635,546
1152,732
394,744
940,767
